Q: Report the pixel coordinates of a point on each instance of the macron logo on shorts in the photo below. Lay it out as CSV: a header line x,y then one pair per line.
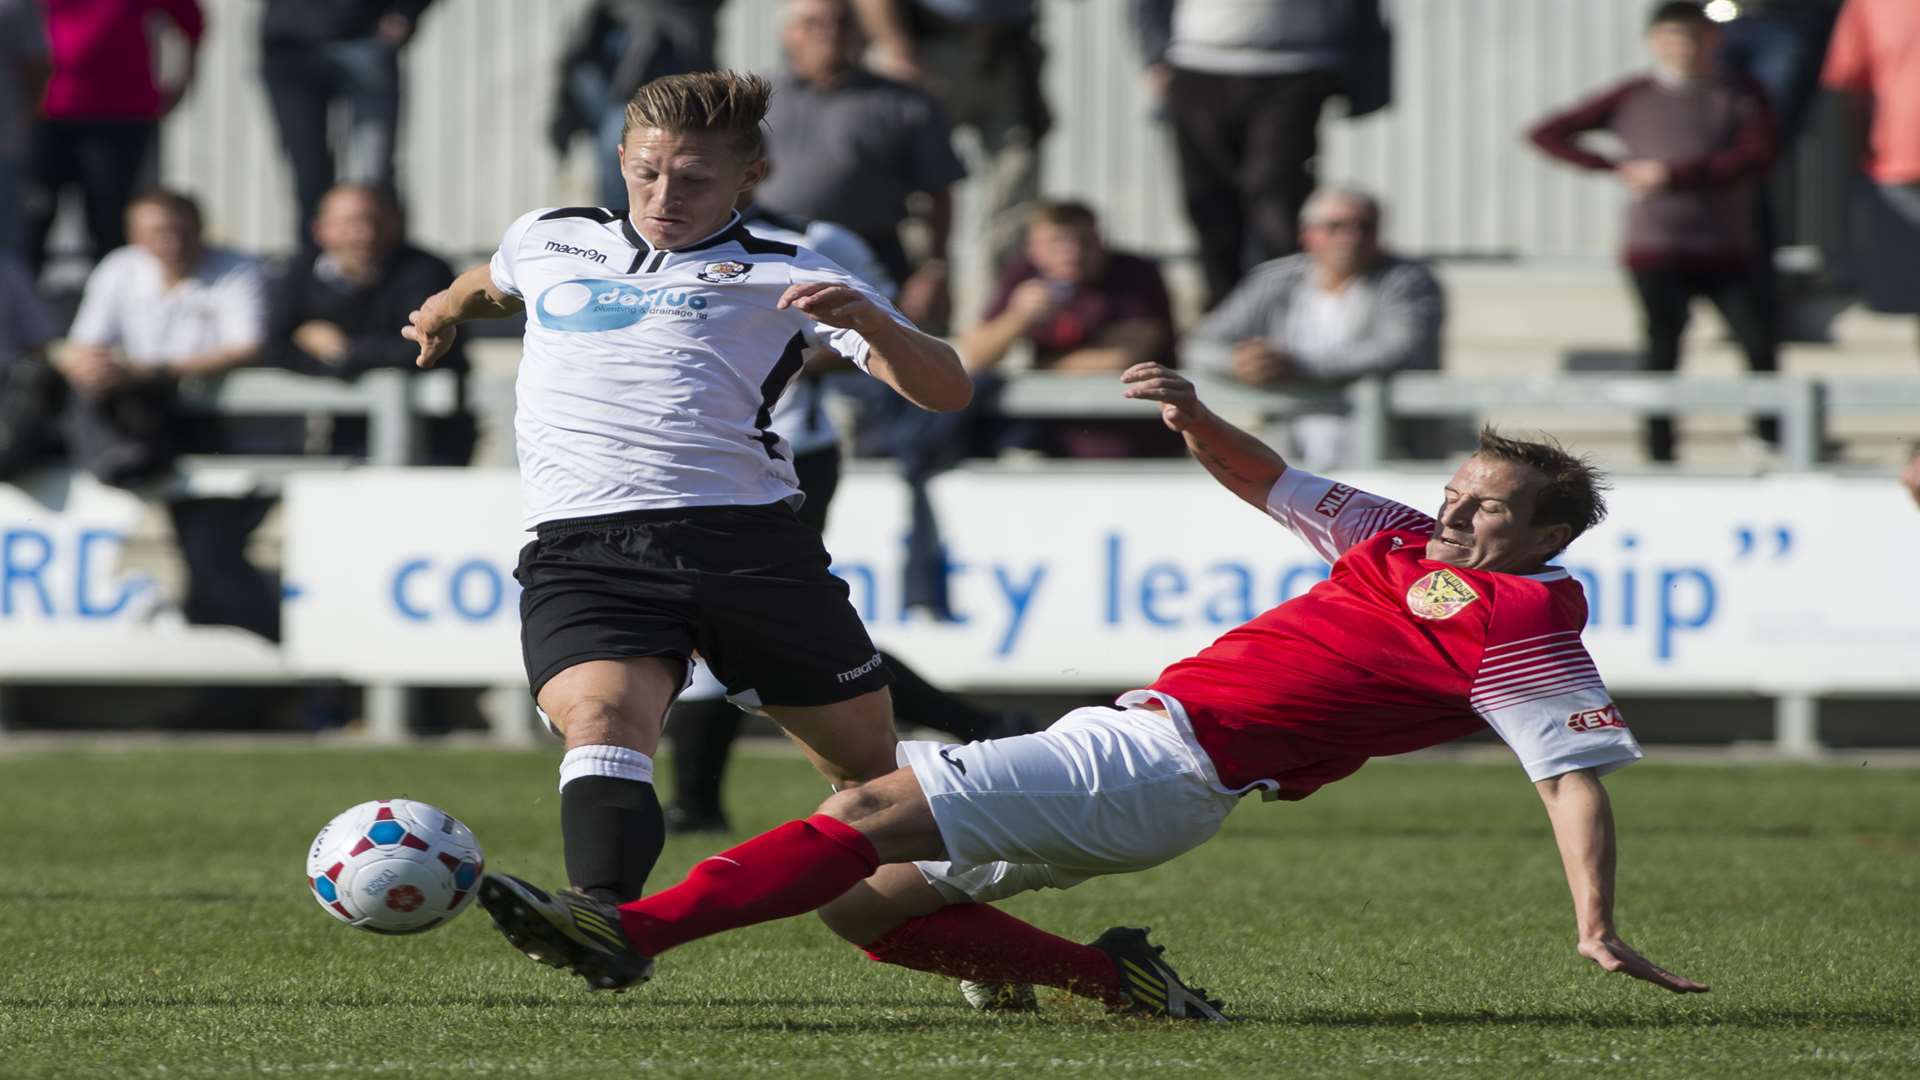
x,y
849,676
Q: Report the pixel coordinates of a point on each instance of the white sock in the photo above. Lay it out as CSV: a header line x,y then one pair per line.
x,y
614,761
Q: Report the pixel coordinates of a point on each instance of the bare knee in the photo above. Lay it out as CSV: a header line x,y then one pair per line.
x,y
593,720
855,805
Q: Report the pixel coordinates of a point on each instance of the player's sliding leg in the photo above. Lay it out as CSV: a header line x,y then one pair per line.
x,y
1144,802
610,712
780,873
933,917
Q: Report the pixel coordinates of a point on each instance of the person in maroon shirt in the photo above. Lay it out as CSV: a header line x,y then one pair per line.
x,y
1081,307
102,109
1696,144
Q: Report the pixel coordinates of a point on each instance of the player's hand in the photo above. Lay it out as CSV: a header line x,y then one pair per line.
x,y
1910,477
1256,362
835,305
1614,954
1180,407
430,330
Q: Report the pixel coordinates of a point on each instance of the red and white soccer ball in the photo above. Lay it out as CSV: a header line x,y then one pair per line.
x,y
394,866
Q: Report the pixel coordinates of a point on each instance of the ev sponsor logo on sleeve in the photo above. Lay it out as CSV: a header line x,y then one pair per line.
x,y
1334,500
595,305
1595,719
725,272
1440,595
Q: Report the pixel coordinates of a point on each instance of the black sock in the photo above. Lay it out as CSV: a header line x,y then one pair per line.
x,y
702,733
613,833
917,701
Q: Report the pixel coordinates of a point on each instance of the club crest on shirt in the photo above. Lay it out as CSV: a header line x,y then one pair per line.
x,y
724,273
1440,595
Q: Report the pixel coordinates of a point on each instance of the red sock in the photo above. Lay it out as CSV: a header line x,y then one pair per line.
x,y
787,871
985,944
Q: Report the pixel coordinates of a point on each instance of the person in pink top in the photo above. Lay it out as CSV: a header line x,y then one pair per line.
x,y
101,111
1874,59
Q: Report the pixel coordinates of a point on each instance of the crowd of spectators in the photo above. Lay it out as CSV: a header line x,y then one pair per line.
x,y
883,107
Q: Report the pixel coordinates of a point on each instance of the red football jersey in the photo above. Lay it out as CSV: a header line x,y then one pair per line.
x,y
1394,652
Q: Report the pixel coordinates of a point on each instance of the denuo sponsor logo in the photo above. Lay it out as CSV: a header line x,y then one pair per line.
x,y
593,305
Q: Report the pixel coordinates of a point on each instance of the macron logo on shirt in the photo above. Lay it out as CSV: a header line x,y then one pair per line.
x,y
569,249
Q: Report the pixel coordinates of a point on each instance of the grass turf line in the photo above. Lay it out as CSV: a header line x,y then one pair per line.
x,y
154,922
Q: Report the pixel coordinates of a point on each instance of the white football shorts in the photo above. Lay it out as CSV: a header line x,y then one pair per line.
x,y
1102,791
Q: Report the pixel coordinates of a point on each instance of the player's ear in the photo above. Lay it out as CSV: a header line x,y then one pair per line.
x,y
756,172
1553,538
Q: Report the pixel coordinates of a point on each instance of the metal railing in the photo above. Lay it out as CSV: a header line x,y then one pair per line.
x,y
1373,404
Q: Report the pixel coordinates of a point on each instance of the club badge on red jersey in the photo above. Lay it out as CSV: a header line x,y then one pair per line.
x,y
1440,595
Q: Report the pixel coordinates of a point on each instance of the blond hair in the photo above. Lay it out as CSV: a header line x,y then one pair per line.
x,y
703,102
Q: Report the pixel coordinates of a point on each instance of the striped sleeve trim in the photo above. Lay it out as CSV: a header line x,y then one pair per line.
x,y
1517,672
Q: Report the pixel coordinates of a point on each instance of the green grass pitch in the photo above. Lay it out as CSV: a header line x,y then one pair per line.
x,y
1409,921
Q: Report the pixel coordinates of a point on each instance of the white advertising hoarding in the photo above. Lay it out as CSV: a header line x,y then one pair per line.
x,y
1098,578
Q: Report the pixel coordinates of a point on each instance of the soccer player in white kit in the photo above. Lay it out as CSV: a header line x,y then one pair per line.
x,y
658,342
1429,628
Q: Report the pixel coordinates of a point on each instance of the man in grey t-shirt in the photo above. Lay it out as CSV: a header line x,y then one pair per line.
x,y
854,148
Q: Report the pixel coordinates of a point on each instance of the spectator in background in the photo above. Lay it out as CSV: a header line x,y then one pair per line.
x,y
162,310
853,149
1875,62
314,55
1694,146
1243,85
616,47
1080,307
102,109
982,61
1343,308
23,80
29,388
333,311
1779,45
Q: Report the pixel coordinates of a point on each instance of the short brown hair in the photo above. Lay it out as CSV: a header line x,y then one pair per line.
x,y
167,199
1573,491
1066,213
703,102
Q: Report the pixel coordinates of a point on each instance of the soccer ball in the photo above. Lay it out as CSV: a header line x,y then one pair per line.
x,y
394,866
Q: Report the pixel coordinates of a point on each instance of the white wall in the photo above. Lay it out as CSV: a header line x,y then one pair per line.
x,y
1448,157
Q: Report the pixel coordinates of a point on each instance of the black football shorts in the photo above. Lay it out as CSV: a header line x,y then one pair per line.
x,y
745,586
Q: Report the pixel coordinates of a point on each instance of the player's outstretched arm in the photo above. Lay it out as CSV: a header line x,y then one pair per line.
x,y
1583,828
1243,464
924,369
473,295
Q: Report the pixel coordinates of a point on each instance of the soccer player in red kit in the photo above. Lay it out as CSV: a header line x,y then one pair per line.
x,y
1427,629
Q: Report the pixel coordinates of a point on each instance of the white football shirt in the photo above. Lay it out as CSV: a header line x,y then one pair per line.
x,y
649,376
801,416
